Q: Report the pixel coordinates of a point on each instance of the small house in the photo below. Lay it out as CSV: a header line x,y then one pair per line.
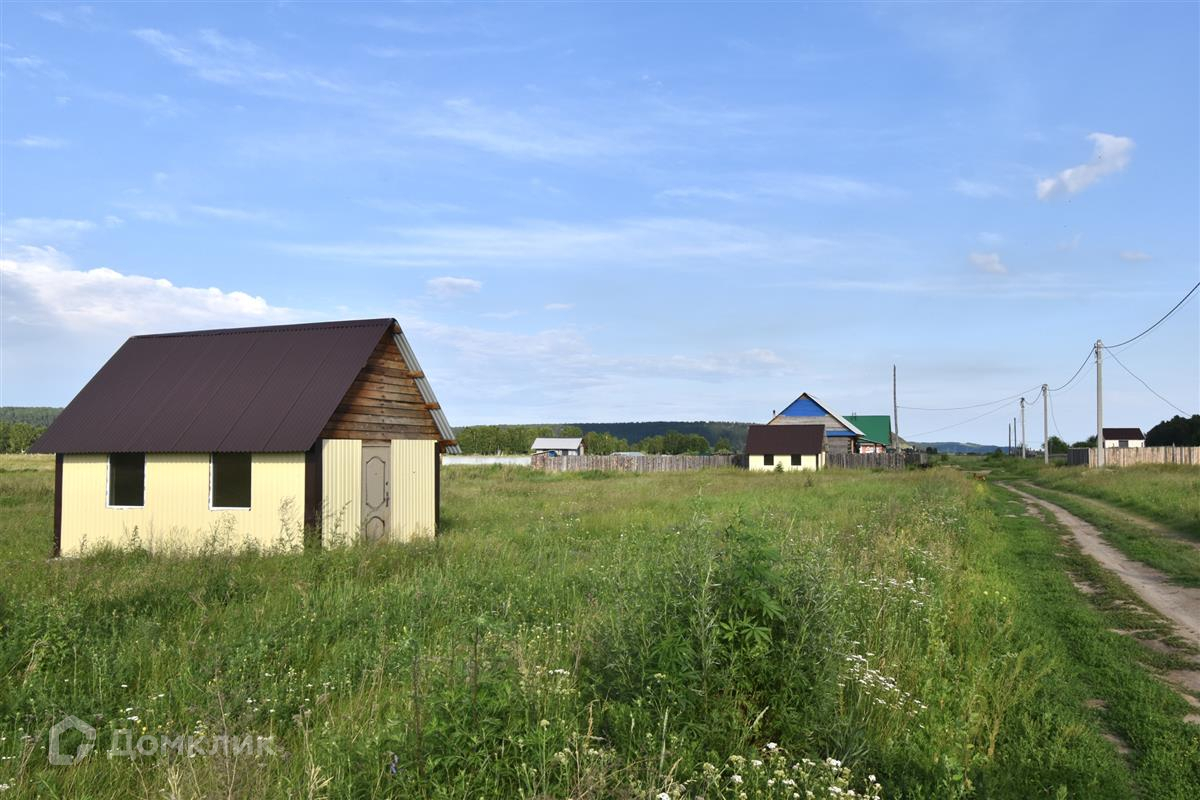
x,y
247,435
558,445
786,447
841,435
877,432
1124,437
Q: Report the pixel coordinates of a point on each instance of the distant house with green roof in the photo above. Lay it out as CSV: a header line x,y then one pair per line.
x,y
876,431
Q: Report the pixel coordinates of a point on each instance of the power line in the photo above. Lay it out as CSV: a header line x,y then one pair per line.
x,y
914,436
1143,383
1082,364
1050,404
977,405
1066,385
1155,325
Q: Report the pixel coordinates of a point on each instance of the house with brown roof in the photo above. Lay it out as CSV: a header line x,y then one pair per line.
x,y
1124,437
785,447
251,436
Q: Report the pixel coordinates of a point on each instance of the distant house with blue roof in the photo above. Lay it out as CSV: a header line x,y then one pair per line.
x,y
841,435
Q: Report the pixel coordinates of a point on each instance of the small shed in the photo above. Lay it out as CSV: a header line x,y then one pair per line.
x,y
248,435
1124,437
558,445
787,447
877,431
841,435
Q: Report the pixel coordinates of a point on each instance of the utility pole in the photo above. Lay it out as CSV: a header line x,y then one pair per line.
x,y
1099,404
1022,427
1045,424
895,412
1014,443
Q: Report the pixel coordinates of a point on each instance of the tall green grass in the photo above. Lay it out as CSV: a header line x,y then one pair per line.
x,y
630,636
1166,493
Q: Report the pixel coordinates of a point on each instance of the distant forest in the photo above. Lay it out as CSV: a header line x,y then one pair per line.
x,y
603,438
20,426
32,415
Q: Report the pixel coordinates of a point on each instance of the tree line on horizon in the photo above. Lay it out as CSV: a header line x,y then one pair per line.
x,y
20,426
518,439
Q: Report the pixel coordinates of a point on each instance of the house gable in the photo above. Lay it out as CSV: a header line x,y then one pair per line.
x,y
384,401
807,410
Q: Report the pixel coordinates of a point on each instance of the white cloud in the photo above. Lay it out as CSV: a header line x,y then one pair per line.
x,y
1111,154
233,214
41,230
559,306
1134,256
215,58
988,262
645,241
518,135
807,187
41,142
43,288
977,189
449,287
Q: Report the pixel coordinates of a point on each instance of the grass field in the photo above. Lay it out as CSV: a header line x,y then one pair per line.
x,y
598,636
1165,493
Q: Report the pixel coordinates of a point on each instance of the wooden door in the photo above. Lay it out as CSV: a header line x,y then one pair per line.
x,y
377,494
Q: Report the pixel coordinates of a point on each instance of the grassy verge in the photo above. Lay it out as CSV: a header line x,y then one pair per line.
x,y
1177,559
589,636
1166,493
1099,664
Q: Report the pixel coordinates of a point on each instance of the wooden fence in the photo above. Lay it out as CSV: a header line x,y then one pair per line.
x,y
665,463
874,460
633,463
1129,456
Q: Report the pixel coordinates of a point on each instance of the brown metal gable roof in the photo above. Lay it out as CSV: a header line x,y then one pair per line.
x,y
1124,433
805,440
261,390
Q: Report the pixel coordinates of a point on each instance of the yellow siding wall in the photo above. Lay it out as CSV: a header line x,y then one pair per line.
x,y
807,463
414,497
411,485
341,490
176,512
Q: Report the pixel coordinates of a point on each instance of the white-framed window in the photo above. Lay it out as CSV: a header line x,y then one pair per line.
x,y
126,480
229,481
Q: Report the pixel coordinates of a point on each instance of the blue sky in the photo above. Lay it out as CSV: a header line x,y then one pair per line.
x,y
620,212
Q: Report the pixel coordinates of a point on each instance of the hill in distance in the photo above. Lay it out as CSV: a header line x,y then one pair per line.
x,y
632,432
32,415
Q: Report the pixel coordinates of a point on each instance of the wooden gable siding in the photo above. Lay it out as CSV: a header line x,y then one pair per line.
x,y
383,402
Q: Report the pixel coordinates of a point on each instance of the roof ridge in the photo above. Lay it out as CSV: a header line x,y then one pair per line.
x,y
294,326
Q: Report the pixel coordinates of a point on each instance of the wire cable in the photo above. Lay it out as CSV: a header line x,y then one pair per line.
x,y
1155,325
1050,405
914,436
1076,375
977,405
1143,383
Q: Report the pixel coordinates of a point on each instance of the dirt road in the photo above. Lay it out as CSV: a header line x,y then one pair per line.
x,y
1179,604
1129,517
